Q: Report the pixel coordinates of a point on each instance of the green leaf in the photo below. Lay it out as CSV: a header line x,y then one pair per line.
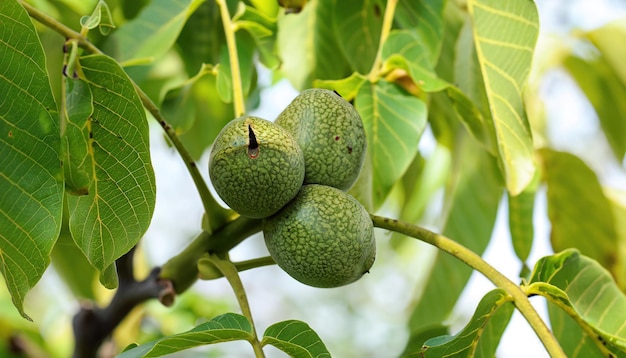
x,y
473,197
308,48
31,176
470,98
521,221
405,49
426,16
263,30
77,162
480,337
347,87
357,26
424,182
597,79
71,264
225,328
295,338
609,39
202,38
115,214
101,18
505,33
394,122
153,32
576,341
617,198
584,290
578,210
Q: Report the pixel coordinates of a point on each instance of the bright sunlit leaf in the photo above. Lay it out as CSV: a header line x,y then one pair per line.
x,y
505,33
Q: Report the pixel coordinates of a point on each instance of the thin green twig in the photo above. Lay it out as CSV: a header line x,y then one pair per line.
x,y
477,263
235,70
229,270
390,10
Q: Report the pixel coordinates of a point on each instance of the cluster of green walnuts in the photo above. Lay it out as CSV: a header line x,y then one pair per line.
x,y
293,173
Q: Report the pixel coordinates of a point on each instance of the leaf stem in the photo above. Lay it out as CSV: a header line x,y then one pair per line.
x,y
226,267
231,43
208,201
390,10
60,28
476,262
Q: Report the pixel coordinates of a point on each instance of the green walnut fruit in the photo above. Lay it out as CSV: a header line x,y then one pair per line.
x,y
330,132
256,166
322,238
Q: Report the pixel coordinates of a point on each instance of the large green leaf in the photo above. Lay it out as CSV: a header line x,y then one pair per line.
x,y
578,210
115,214
295,338
505,33
31,176
473,198
394,122
307,46
153,32
597,79
584,290
225,328
481,335
357,26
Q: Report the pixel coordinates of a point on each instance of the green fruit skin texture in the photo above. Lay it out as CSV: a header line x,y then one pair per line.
x,y
331,134
256,182
322,238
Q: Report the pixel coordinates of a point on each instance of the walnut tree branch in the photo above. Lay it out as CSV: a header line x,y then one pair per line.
x,y
93,324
